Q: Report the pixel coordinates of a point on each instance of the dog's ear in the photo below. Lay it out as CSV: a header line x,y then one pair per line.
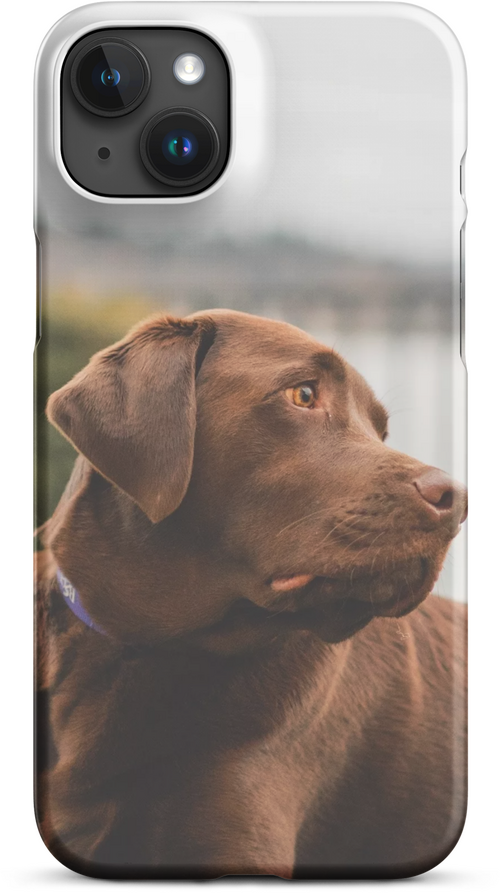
x,y
132,411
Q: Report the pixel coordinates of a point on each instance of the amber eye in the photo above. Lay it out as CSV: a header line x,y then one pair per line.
x,y
303,395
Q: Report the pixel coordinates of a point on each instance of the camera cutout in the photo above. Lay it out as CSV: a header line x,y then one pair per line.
x,y
154,104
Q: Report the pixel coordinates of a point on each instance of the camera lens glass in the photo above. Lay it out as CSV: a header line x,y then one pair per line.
x,y
180,146
110,78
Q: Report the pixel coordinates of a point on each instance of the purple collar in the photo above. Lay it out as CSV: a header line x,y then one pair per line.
x,y
73,601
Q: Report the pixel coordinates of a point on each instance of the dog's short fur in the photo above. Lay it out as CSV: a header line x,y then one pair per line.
x,y
277,693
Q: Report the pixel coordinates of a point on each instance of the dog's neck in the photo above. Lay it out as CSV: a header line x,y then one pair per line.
x,y
145,584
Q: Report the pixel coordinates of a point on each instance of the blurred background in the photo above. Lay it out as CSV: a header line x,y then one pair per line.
x,y
337,216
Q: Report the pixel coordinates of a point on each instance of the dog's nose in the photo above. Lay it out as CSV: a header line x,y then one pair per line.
x,y
442,495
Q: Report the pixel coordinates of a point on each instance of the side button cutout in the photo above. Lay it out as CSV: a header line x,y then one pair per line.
x,y
36,325
462,263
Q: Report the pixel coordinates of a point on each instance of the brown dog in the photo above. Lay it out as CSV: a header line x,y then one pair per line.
x,y
239,531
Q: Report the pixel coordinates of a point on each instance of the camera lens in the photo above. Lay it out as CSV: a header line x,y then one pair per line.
x,y
110,78
179,146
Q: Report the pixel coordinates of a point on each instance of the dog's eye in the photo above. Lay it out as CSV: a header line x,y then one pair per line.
x,y
302,395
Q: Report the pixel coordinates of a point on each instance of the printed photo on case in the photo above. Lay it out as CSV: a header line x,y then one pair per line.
x,y
250,604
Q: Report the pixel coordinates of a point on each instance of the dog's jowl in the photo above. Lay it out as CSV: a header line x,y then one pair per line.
x,y
243,669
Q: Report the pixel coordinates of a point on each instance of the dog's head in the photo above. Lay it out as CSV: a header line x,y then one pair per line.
x,y
236,486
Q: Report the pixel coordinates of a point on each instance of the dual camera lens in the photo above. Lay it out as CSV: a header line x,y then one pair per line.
x,y
178,146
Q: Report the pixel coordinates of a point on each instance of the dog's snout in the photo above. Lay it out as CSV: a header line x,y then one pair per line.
x,y
442,495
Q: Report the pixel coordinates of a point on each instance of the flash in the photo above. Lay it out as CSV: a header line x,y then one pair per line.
x,y
189,69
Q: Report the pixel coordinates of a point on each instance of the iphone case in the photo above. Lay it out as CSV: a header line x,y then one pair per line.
x,y
250,608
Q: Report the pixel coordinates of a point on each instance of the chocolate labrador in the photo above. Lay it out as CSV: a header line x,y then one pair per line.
x,y
253,678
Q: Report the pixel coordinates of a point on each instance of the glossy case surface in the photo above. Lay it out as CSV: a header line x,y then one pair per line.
x,y
172,741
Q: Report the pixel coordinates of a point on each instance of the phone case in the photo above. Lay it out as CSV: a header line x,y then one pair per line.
x,y
250,592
